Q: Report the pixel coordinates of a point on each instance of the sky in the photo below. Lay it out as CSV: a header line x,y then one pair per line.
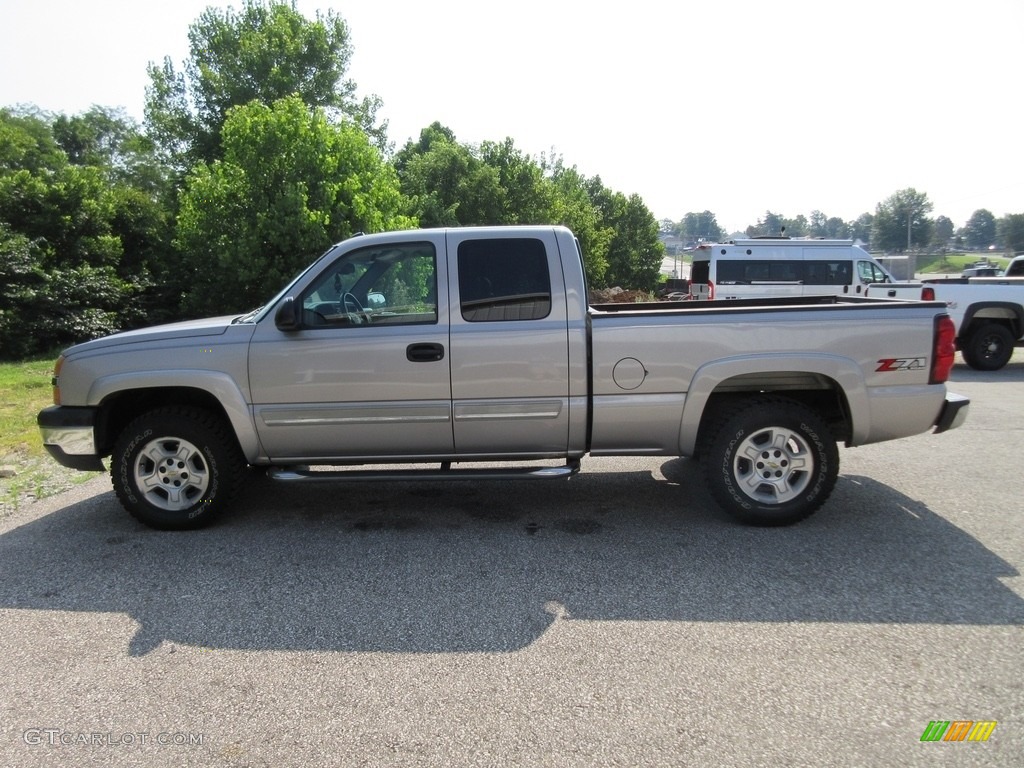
x,y
734,106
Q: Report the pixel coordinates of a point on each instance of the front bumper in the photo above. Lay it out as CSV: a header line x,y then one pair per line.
x,y
69,436
953,413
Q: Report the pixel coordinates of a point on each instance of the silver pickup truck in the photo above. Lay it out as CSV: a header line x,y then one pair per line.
x,y
460,346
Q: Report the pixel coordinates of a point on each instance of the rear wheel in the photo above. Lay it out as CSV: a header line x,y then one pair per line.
x,y
988,348
770,461
176,468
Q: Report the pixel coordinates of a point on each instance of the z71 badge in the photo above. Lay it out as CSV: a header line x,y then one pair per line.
x,y
902,364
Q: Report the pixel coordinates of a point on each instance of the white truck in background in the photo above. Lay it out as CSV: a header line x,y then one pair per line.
x,y
1015,268
988,311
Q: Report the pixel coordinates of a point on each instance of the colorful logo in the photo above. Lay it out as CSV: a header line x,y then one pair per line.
x,y
958,730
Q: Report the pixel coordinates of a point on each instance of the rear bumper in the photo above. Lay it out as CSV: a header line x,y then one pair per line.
x,y
69,436
953,413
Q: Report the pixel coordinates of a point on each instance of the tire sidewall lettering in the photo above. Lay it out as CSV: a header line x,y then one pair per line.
x,y
128,459
211,493
727,475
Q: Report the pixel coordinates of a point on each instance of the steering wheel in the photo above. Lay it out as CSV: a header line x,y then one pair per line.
x,y
348,302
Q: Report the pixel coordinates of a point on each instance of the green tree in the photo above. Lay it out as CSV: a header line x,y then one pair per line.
x,y
527,196
776,225
820,225
291,183
634,253
110,139
980,230
943,231
263,53
772,224
141,194
27,144
446,183
62,274
860,228
817,224
901,221
574,209
837,228
1011,232
696,227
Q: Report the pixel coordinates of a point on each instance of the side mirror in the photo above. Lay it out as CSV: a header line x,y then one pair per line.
x,y
287,317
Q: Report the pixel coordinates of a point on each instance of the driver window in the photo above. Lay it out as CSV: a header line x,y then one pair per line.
x,y
394,284
870,273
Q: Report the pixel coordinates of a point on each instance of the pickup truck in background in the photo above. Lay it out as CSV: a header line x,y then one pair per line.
x,y
462,346
988,312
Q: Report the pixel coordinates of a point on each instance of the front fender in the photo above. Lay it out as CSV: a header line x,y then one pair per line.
x,y
219,385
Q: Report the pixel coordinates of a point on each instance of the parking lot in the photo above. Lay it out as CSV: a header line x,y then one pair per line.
x,y
616,619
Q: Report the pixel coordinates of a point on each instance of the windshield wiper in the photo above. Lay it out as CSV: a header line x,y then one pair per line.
x,y
247,318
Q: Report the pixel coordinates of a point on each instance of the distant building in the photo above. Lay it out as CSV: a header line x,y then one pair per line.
x,y
672,243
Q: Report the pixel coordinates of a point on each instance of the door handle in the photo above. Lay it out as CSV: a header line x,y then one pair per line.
x,y
424,353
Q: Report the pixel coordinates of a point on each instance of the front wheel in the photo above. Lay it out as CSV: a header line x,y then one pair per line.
x,y
770,461
176,468
989,348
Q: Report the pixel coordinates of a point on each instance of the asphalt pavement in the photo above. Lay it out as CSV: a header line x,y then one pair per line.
x,y
619,618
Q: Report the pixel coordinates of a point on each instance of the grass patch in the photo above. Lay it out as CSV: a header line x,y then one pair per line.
x,y
954,263
24,391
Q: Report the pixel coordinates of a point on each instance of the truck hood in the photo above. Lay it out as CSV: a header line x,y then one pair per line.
x,y
212,326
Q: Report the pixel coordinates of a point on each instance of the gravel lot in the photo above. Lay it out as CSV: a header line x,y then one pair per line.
x,y
617,619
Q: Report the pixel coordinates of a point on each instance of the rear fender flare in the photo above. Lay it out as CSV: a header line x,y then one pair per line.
x,y
1003,310
844,372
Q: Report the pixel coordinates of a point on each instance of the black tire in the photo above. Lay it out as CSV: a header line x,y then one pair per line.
x,y
770,461
989,347
176,468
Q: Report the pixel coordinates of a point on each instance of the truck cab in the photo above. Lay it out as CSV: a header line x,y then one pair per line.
x,y
1015,268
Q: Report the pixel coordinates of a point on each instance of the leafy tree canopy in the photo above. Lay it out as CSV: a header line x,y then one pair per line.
x,y
832,227
696,227
901,221
1011,232
980,230
450,184
63,272
775,225
263,53
290,184
943,231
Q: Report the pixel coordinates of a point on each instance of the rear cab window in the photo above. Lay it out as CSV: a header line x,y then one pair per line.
x,y
503,279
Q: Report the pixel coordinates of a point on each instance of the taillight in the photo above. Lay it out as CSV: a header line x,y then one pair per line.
x,y
711,289
943,349
927,293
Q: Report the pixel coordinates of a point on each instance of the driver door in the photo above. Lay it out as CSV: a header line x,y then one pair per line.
x,y
366,375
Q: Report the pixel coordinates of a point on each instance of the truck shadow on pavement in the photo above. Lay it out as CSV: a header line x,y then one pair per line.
x,y
491,566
